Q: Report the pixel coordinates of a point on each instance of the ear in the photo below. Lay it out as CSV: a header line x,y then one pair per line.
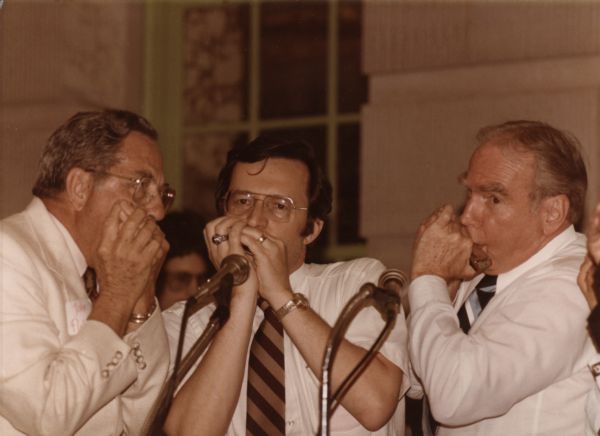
x,y
78,187
316,231
554,213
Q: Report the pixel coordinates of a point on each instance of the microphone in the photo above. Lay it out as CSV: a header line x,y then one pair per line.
x,y
234,267
393,279
388,292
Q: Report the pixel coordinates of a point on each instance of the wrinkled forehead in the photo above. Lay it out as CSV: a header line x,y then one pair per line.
x,y
141,155
497,164
273,176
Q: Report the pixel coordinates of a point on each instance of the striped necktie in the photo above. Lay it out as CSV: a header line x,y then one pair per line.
x,y
476,302
89,281
472,308
266,378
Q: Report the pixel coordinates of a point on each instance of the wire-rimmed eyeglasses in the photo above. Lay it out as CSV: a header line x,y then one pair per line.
x,y
279,208
142,194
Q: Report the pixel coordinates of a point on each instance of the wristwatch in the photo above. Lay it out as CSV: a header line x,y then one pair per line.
x,y
298,301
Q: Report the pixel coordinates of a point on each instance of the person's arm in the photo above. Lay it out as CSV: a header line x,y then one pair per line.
x,y
127,263
588,275
52,382
150,349
585,280
525,345
206,402
532,335
373,398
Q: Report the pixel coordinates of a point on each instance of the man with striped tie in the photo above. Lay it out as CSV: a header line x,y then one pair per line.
x,y
260,375
508,354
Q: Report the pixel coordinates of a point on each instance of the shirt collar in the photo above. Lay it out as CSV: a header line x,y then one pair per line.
x,y
547,251
297,275
76,254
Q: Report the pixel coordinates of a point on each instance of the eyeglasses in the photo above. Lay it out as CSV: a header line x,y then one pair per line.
x,y
180,281
142,189
277,207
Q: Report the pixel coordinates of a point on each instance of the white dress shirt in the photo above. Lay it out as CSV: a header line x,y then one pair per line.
x,y
328,288
522,369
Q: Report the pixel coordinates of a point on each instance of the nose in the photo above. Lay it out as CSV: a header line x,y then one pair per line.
x,y
153,203
469,214
192,286
256,217
155,207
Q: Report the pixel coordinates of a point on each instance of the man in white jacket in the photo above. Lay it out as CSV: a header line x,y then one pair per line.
x,y
508,356
77,359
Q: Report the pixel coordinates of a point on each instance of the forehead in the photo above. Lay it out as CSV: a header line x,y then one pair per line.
x,y
274,176
141,155
504,165
191,262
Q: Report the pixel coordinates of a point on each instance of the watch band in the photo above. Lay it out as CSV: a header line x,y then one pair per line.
x,y
298,301
141,318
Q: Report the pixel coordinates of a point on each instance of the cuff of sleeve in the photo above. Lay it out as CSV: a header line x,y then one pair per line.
x,y
425,289
103,349
149,343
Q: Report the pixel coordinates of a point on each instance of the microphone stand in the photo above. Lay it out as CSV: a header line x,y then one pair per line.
x,y
155,422
365,297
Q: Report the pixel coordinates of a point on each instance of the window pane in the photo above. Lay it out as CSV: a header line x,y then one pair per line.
x,y
204,155
352,84
293,56
215,70
348,194
316,136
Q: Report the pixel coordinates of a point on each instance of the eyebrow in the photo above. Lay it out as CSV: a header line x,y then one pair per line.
x,y
486,187
263,195
493,187
144,174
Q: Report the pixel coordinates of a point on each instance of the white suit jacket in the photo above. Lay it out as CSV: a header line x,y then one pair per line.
x,y
59,373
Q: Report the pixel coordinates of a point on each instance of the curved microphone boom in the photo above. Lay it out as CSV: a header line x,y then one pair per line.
x,y
235,265
392,278
388,293
386,298
234,271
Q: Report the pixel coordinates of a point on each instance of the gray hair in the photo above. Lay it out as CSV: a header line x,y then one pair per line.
x,y
87,140
559,165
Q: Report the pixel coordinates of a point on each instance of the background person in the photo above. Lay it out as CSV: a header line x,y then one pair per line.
x,y
187,264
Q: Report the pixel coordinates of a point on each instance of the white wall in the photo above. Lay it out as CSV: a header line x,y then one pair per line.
x,y
440,71
57,58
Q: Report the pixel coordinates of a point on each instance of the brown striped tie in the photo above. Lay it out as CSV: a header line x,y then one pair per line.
x,y
266,378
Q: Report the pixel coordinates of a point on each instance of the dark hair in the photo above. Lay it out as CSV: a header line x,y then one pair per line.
x,y
559,165
87,140
319,190
184,233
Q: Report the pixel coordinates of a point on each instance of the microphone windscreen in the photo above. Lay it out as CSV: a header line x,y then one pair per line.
x,y
393,278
